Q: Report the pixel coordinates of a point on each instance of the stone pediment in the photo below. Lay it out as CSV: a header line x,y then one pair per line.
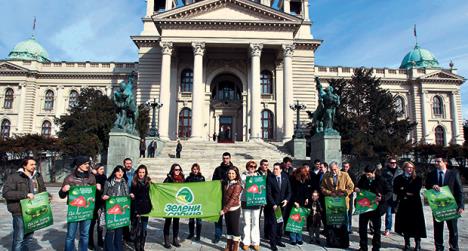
x,y
227,11
9,67
442,75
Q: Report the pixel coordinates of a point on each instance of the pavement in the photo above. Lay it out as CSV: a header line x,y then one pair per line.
x,y
53,237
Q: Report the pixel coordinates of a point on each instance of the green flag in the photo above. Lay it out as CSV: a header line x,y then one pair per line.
x,y
443,204
117,212
336,210
37,213
297,219
81,203
255,187
365,202
186,200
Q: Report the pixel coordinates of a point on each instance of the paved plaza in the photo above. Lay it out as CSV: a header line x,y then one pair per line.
x,y
53,238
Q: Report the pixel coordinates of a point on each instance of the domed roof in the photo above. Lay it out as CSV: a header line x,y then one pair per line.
x,y
29,50
419,58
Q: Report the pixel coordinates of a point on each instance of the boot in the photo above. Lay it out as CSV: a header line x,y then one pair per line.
x,y
166,242
235,246
191,229
417,244
175,241
228,245
199,226
143,241
136,244
407,244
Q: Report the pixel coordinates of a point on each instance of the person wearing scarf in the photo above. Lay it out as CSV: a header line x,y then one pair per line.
x,y
232,208
174,176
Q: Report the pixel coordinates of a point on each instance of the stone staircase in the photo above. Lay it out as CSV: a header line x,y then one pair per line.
x,y
209,155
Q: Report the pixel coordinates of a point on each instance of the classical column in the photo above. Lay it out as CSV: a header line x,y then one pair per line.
x,y
168,5
423,117
453,110
21,106
255,95
165,90
288,50
198,92
305,10
286,6
149,8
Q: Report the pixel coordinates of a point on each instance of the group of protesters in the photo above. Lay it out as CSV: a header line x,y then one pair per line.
x,y
397,192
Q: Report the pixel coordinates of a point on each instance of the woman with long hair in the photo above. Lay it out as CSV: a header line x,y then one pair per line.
x,y
175,175
301,190
409,219
251,213
232,208
195,176
141,205
115,186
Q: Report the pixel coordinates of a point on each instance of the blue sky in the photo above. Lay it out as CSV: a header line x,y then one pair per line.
x,y
355,33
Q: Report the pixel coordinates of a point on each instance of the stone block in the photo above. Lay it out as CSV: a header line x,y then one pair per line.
x,y
122,145
326,148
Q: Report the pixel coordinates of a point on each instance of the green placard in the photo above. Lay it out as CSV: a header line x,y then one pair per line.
x,y
81,203
37,213
186,200
336,210
443,204
365,202
297,219
278,215
255,187
117,212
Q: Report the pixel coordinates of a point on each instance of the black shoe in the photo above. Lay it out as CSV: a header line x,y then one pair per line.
x,y
190,236
280,244
273,248
300,242
292,243
197,238
90,246
215,240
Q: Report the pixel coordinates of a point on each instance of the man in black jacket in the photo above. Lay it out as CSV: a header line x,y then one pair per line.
x,y
444,177
23,184
220,173
375,184
278,196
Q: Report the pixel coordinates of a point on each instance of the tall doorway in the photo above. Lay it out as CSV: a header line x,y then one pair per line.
x,y
225,129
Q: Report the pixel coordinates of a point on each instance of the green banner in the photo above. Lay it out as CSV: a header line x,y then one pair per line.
x,y
443,204
336,210
297,219
80,203
37,213
255,187
117,212
365,202
186,200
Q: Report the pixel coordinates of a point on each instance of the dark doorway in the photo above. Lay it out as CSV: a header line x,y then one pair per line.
x,y
225,129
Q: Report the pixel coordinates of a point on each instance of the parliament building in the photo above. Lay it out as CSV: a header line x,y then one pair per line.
x,y
230,67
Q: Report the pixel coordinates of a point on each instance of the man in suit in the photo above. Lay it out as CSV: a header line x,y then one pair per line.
x,y
278,196
451,178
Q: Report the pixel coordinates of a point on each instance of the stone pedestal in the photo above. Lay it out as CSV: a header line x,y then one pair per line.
x,y
122,145
299,148
326,148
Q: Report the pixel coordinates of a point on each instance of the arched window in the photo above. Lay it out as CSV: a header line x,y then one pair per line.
x,y
185,123
49,100
9,96
437,106
73,99
267,124
46,128
440,136
266,82
400,106
5,131
186,80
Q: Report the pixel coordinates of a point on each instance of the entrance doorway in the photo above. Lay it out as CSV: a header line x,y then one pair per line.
x,y
225,129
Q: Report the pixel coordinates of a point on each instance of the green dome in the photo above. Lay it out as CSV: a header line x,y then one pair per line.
x,y
419,58
29,50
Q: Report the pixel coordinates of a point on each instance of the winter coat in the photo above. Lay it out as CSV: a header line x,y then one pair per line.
x,y
345,185
195,178
232,194
409,219
300,191
17,187
100,179
389,174
220,173
377,186
170,179
77,178
315,217
141,203
116,188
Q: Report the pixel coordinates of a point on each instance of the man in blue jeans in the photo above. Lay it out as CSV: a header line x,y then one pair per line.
x,y
389,174
23,184
81,176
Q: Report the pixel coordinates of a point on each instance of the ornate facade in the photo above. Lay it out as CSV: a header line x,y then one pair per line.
x,y
230,67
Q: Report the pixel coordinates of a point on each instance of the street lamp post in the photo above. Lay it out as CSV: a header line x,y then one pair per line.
x,y
297,107
155,104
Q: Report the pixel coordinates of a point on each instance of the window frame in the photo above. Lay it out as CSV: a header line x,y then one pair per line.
x,y
49,99
9,98
5,127
270,128
266,82
186,81
185,131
